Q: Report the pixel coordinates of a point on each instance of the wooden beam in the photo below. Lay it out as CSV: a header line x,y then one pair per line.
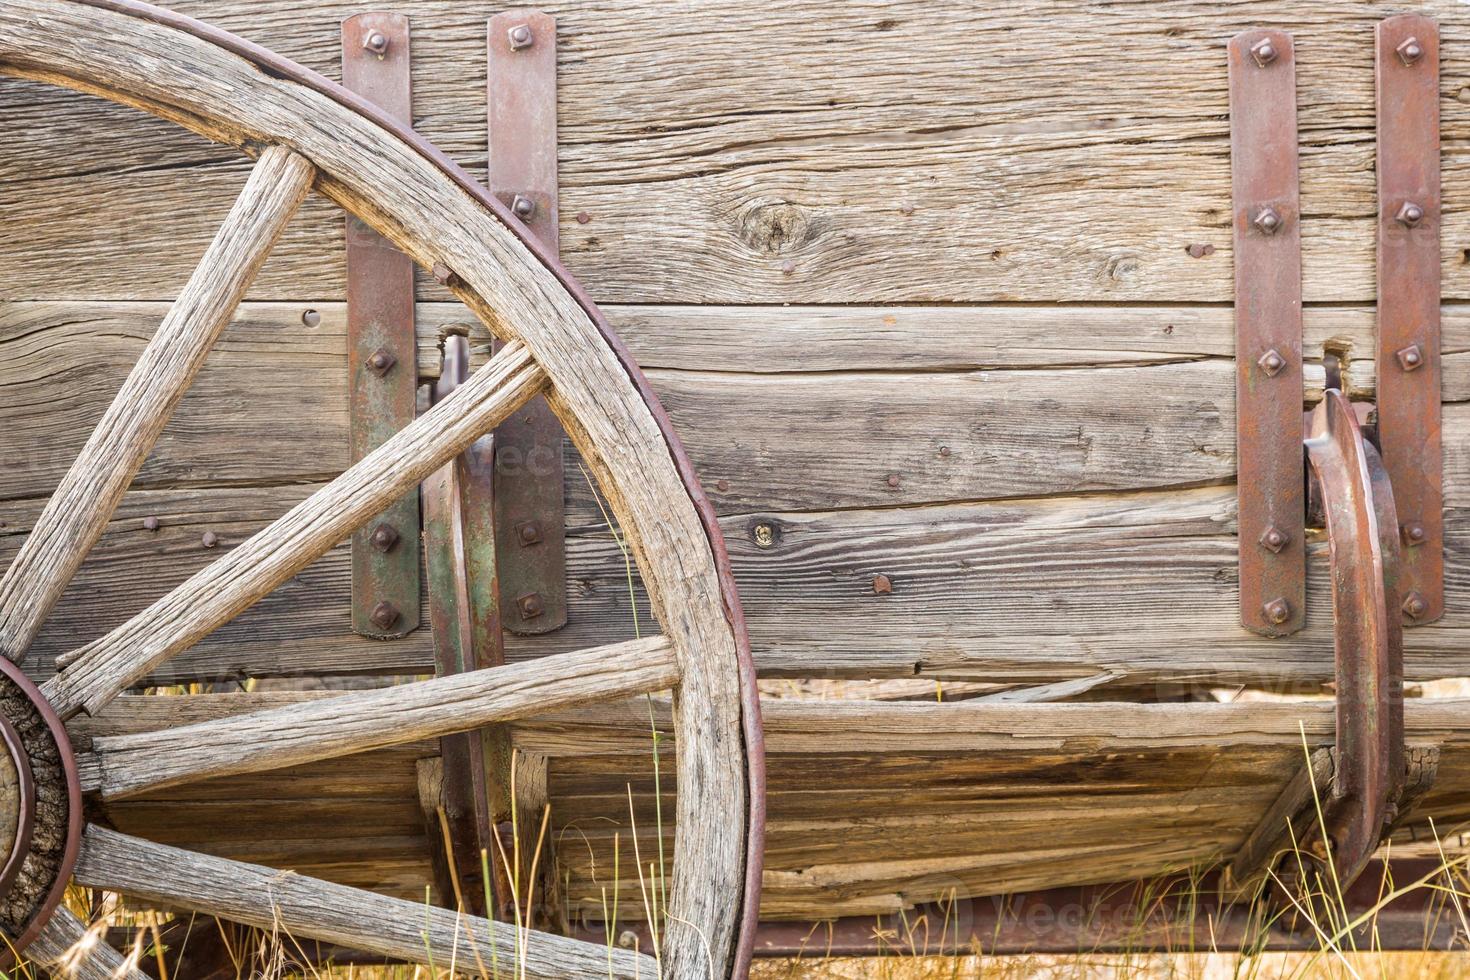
x,y
270,899
128,765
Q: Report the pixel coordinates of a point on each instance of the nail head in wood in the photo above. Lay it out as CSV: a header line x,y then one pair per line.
x,y
150,524
210,539
882,585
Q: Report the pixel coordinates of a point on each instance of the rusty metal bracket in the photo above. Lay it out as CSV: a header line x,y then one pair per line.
x,y
529,479
1408,300
1268,332
464,613
1358,511
381,348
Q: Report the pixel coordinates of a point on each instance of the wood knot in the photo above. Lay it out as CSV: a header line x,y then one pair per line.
x,y
775,227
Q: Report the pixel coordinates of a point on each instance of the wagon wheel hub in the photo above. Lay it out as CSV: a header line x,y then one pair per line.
x,y
40,808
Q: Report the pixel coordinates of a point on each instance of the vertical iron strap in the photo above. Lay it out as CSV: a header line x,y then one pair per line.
x,y
1408,300
1268,332
381,348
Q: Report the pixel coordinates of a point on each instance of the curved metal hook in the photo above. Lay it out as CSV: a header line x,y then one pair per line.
x,y
1362,530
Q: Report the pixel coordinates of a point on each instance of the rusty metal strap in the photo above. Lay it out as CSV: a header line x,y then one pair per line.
x,y
530,518
381,347
1408,299
1268,331
1362,528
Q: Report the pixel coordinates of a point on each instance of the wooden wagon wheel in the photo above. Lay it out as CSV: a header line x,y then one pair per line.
x,y
306,133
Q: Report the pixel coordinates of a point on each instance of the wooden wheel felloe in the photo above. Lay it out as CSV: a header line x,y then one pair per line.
x,y
309,134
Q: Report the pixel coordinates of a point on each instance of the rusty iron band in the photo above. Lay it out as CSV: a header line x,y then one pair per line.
x,y
73,788
25,823
1362,528
278,66
1409,413
1268,332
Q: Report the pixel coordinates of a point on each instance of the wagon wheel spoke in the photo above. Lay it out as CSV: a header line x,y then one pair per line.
x,y
94,674
78,512
305,907
126,765
69,949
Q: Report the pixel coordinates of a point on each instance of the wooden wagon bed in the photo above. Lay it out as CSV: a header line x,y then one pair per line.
x,y
951,348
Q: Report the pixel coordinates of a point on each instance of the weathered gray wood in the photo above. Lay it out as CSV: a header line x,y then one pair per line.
x,y
79,509
305,907
1093,186
128,765
96,673
403,194
67,948
1273,834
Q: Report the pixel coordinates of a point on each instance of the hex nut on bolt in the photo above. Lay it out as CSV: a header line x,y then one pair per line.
x,y
1274,539
1277,611
520,37
384,537
1272,362
384,615
1409,215
1411,357
1264,52
1410,51
1415,605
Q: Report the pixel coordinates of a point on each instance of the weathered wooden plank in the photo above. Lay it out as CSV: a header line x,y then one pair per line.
x,y
304,906
744,184
365,720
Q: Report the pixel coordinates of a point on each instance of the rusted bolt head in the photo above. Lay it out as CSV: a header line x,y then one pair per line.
x,y
1267,220
445,276
311,318
882,585
1199,251
1411,357
1277,611
764,535
893,481
1410,214
1415,605
210,539
1264,52
384,615
384,537
1414,533
522,207
520,37
150,524
1272,362
528,533
530,605
1274,539
1410,51
381,361
376,42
